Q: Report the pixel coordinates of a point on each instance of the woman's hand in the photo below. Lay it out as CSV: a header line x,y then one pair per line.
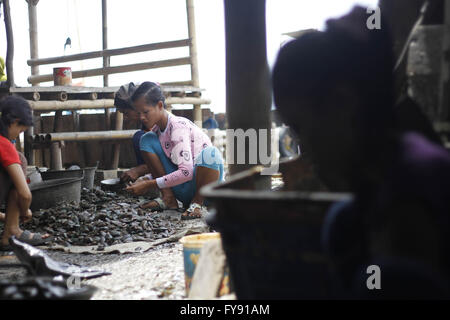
x,y
130,175
139,188
134,173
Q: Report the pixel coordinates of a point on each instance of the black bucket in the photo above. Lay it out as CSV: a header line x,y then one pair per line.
x,y
48,193
87,174
61,174
272,239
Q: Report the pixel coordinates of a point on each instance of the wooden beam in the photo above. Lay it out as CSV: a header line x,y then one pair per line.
x,y
197,116
55,148
106,60
116,149
76,89
193,43
105,39
248,93
68,89
117,69
56,156
33,31
53,105
10,44
34,54
90,135
187,100
177,83
110,52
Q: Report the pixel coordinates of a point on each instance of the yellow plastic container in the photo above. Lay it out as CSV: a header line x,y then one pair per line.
x,y
192,246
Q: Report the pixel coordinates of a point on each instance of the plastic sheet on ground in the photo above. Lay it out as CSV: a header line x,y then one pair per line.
x,y
40,264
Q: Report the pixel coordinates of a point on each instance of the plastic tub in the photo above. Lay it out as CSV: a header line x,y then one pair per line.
x,y
192,246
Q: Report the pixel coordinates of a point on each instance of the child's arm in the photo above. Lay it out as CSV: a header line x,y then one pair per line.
x,y
19,181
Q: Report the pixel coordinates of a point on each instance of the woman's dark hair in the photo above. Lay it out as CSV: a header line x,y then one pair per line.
x,y
122,98
347,52
151,92
14,108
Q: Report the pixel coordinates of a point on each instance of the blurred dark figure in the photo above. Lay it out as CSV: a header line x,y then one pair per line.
x,y
335,89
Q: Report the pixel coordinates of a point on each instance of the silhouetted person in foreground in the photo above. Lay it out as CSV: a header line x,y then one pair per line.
x,y
335,89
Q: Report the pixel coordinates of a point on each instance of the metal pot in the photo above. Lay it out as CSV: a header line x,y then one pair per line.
x,y
113,185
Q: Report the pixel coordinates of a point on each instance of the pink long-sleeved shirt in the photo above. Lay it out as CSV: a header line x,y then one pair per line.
x,y
181,141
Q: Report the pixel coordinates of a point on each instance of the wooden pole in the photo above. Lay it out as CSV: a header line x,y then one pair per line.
x,y
55,156
33,30
247,73
34,54
116,154
116,148
193,57
80,147
105,38
10,44
55,148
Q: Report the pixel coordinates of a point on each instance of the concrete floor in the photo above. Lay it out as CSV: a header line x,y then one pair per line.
x,y
155,274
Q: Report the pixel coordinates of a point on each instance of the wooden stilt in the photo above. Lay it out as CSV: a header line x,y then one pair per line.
x,y
193,57
248,91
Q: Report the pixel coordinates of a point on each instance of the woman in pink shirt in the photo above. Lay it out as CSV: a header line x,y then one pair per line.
x,y
179,155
